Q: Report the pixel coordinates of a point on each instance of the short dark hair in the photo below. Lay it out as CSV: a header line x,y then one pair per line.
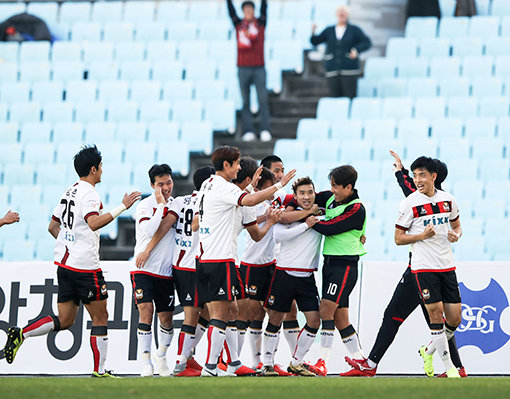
x,y
201,175
265,176
302,181
224,153
247,4
344,175
269,160
85,159
159,170
426,163
442,173
248,169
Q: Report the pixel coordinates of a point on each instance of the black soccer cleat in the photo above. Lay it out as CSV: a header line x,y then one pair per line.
x,y
14,341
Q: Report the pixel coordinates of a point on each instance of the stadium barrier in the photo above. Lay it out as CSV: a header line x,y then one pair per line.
x,y
28,290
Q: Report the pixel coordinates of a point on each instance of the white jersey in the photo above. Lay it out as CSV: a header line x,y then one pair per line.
x,y
218,202
260,253
244,217
415,213
186,241
300,248
148,219
77,246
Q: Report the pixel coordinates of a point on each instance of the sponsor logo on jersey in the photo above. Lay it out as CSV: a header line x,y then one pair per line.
x,y
481,314
138,293
425,293
104,290
270,300
436,221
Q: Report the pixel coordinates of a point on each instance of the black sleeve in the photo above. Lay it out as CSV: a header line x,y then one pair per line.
x,y
405,182
322,197
352,219
263,13
363,42
320,38
232,13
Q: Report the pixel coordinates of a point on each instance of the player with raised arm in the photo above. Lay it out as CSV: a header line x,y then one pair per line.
x,y
405,299
152,281
9,218
423,221
216,273
75,224
293,280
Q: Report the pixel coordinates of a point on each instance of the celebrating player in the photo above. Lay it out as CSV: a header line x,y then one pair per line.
x,y
75,224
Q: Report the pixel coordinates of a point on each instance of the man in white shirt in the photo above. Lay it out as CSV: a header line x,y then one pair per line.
x,y
423,221
216,272
75,225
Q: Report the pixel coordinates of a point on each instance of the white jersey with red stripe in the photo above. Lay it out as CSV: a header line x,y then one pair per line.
x,y
244,217
186,241
77,246
148,218
260,253
218,202
416,212
300,248
281,198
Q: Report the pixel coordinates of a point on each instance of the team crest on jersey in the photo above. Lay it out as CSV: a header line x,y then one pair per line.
x,y
446,206
139,293
425,293
270,300
252,290
104,290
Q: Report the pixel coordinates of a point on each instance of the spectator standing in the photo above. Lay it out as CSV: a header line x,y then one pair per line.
x,y
423,8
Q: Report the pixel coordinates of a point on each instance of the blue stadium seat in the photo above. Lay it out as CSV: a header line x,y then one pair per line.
x,y
51,193
14,91
198,135
145,90
25,112
110,90
38,153
97,51
111,151
155,111
99,131
505,26
86,31
454,87
324,10
141,177
35,132
446,127
129,51
322,151
453,147
75,11
176,154
9,71
118,174
209,90
494,169
494,106
467,46
9,51
66,71
497,188
135,70
67,132
48,12
471,248
312,129
172,11
44,249
464,168
16,250
417,87
485,148
367,87
429,107
420,27
161,51
9,132
34,71
500,7
444,67
381,149
291,150
434,47
355,150
392,88
330,108
105,11
182,31
497,46
477,66
147,31
484,27
81,90
397,107
412,67
16,230
167,70
501,66
346,128
379,129
221,114
504,130
289,53
296,9
52,174
15,173
57,111
122,111
118,32
487,86
365,108
90,111
200,70
490,208
201,10
223,52
136,11
163,131
462,107
177,90
103,70
131,131
279,30
415,149
480,127
187,111
399,47
47,91
214,30
411,127
380,67
140,152
453,27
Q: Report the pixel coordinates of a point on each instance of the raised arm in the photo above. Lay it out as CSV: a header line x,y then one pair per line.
x,y
232,13
402,175
95,222
263,13
10,217
268,193
318,39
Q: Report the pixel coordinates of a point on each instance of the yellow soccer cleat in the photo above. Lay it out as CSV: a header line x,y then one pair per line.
x,y
428,364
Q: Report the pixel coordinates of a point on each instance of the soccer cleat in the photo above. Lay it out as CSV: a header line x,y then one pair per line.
x,y
354,373
311,368
281,372
147,371
428,364
222,365
14,341
207,372
361,365
2,354
299,369
162,366
321,368
192,363
106,374
462,373
187,372
258,368
268,371
452,373
242,371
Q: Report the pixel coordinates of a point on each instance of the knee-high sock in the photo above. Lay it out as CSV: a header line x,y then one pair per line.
x,y
242,326
99,345
441,344
327,338
304,343
255,341
165,336
144,343
231,344
351,340
186,338
270,343
452,345
215,339
41,326
291,331
199,332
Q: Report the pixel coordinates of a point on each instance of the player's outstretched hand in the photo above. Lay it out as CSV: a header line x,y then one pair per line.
x,y
398,162
274,216
130,199
316,210
141,259
159,196
311,221
10,217
288,177
429,231
453,236
363,239
256,176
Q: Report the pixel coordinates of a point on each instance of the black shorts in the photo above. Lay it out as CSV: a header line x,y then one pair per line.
x,y
241,293
80,285
217,281
285,288
150,288
186,286
339,277
256,280
438,287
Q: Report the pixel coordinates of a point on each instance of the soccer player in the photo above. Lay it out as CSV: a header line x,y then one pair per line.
x,y
216,272
293,280
343,229
405,299
75,224
153,286
423,221
9,218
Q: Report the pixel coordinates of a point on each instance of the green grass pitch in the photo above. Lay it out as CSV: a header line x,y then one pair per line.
x,y
259,388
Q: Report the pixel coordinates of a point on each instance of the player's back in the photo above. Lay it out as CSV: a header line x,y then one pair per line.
x,y
186,241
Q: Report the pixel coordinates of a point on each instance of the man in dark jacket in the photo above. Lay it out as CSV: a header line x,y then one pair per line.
x,y
344,43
